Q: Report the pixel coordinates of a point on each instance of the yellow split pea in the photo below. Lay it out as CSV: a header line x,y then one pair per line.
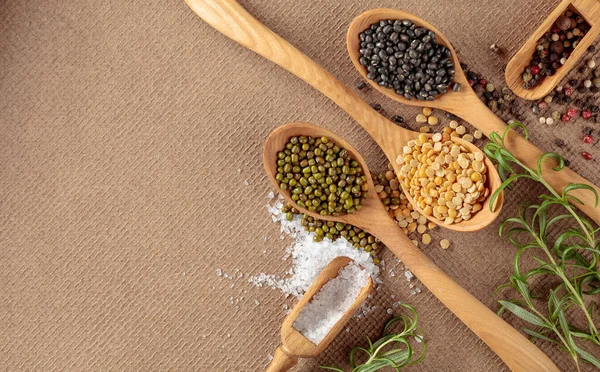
x,y
446,180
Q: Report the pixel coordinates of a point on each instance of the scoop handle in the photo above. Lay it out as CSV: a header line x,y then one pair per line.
x,y
512,347
474,111
231,19
282,361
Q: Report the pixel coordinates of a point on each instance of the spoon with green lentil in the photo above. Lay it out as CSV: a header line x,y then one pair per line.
x,y
232,20
368,213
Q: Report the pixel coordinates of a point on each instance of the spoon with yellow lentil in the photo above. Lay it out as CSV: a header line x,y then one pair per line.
x,y
368,213
235,22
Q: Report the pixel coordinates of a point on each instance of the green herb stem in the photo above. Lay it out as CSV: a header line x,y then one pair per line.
x,y
569,253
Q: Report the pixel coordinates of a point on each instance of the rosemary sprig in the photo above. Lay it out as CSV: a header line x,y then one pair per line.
x,y
570,255
394,349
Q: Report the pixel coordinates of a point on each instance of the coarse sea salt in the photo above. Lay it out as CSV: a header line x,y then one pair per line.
x,y
328,306
309,258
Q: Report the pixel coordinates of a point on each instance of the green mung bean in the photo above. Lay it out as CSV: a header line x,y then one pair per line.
x,y
321,176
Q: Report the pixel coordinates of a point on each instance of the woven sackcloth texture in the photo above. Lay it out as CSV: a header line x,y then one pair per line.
x,y
130,171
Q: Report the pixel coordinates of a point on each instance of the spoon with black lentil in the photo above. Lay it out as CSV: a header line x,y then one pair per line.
x,y
399,53
368,213
232,20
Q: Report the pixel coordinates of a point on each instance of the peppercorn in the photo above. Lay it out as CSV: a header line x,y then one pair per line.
x,y
588,139
563,22
572,112
586,155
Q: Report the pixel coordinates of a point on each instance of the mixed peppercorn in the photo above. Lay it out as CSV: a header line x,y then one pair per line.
x,y
555,47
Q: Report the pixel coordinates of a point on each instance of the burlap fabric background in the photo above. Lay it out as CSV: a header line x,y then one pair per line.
x,y
130,171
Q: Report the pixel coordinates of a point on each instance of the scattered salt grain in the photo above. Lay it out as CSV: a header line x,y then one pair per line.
x,y
328,306
309,258
390,311
409,275
256,302
246,182
219,272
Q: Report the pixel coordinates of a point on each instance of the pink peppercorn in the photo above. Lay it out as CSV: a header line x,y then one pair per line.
x,y
586,114
471,82
572,112
565,118
586,155
588,139
555,29
542,106
568,91
535,70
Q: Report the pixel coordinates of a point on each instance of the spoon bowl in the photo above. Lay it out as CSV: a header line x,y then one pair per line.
x,y
442,101
293,344
512,347
393,143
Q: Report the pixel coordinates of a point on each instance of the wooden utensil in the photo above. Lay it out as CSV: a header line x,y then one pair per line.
x,y
590,11
468,106
232,20
514,349
293,344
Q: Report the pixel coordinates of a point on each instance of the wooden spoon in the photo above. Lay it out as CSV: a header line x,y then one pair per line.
x,y
590,11
293,344
513,348
468,106
231,19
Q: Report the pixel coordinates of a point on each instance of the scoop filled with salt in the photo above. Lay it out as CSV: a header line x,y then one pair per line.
x,y
322,312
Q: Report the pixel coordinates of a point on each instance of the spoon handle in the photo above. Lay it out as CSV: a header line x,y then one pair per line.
x,y
231,19
282,361
512,347
474,111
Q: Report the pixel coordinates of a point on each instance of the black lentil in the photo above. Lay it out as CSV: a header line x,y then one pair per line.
x,y
398,119
402,56
376,106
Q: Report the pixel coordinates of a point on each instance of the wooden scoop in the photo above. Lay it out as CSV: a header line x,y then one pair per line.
x,y
590,11
293,344
231,19
513,348
468,106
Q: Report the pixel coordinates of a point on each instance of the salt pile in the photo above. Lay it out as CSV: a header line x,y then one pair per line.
x,y
328,306
309,258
